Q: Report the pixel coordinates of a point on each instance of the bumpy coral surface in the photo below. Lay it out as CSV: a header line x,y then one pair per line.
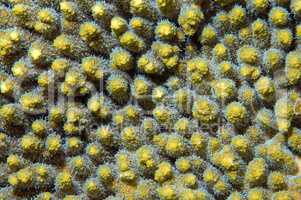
x,y
150,99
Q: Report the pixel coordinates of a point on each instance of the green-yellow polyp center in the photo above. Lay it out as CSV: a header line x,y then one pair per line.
x,y
99,10
150,99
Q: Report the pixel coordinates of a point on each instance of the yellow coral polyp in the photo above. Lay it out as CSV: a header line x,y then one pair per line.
x,y
25,176
259,5
163,115
225,69
145,157
42,28
137,23
105,135
175,146
118,25
117,86
56,114
236,113
190,19
237,16
130,138
260,32
224,89
121,59
276,181
141,26
248,55
149,65
63,43
105,174
94,151
31,100
249,72
89,31
296,7
132,113
190,180
13,161
256,172
159,94
99,10
119,119
220,52
168,8
13,180
41,171
92,187
284,108
198,68
167,192
53,144
79,163
183,165
138,6
8,112
163,173
30,143
226,159
21,10
20,70
245,34
36,53
64,181
198,142
68,9
242,145
247,95
7,87
208,35
15,35
6,47
182,125
73,78
46,16
44,80
141,88
205,110
159,141
278,16
283,38
210,176
273,60
166,30
60,65
74,143
132,42
123,162
92,67
265,87
39,127
293,60
70,128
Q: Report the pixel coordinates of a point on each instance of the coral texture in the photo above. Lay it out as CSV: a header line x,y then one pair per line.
x,y
150,99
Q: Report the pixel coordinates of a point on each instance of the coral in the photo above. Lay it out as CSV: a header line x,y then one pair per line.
x,y
150,99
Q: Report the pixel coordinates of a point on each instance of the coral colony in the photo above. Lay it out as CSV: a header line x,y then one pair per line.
x,y
150,100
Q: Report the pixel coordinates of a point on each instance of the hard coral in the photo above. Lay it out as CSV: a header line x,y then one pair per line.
x,y
150,99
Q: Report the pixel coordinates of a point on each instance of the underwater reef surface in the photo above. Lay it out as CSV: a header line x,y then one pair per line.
x,y
150,99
